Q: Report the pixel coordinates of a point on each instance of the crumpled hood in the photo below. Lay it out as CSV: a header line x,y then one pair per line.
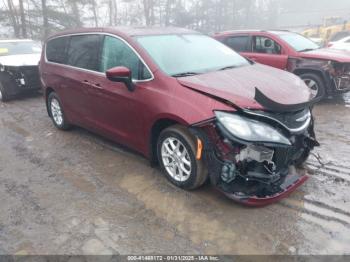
x,y
20,60
238,85
341,56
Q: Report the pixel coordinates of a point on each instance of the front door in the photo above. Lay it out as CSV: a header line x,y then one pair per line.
x,y
83,61
116,111
268,52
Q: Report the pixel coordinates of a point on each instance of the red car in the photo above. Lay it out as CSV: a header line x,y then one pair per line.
x,y
187,102
323,70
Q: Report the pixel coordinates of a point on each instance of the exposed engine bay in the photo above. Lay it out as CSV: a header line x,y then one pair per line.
x,y
255,168
341,76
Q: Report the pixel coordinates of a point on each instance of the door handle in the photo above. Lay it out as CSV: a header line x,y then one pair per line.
x,y
97,85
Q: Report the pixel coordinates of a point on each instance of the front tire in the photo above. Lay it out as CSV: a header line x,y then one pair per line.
x,y
315,83
3,94
56,112
176,149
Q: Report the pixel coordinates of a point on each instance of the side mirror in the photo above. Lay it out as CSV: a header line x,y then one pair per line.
x,y
121,74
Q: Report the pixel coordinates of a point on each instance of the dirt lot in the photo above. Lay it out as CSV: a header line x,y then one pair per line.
x,y
76,193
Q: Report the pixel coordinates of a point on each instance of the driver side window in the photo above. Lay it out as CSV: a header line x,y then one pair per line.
x,y
116,53
265,45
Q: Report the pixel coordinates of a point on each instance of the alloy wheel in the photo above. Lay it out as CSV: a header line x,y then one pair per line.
x,y
56,112
312,84
0,95
176,159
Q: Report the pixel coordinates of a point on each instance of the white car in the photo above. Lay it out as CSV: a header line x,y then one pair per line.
x,y
19,71
343,44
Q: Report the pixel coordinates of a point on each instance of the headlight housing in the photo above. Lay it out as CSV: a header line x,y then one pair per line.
x,y
250,130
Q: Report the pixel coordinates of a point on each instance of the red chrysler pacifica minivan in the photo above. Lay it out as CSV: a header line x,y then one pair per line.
x,y
187,102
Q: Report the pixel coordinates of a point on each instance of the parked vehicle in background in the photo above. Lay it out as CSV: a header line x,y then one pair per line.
x,y
338,36
187,102
342,44
19,73
323,70
317,41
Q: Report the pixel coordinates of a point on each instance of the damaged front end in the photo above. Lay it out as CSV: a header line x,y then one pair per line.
x,y
250,154
341,76
336,74
20,79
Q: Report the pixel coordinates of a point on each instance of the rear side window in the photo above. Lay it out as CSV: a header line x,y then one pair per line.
x,y
116,53
56,50
239,43
83,51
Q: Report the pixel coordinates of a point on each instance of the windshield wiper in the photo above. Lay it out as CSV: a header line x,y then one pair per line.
x,y
185,74
308,49
227,67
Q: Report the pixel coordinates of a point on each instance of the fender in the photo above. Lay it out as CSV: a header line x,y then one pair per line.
x,y
299,66
161,122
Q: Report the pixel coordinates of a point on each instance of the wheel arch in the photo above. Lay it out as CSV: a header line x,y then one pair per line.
x,y
158,126
321,73
48,91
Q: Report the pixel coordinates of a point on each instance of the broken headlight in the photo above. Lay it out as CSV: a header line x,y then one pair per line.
x,y
250,130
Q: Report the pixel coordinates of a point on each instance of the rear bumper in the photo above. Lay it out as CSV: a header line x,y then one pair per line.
x,y
291,183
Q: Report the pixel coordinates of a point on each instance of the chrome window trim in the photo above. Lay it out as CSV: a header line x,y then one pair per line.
x,y
96,72
292,130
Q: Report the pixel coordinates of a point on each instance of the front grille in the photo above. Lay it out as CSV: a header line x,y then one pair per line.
x,y
31,76
290,120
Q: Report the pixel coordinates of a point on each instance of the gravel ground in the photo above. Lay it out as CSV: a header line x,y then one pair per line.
x,y
76,193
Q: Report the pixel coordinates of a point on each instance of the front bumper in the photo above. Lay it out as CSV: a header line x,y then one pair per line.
x,y
22,79
246,180
291,183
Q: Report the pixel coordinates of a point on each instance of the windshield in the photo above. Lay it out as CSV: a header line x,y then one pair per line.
x,y
190,54
298,42
19,48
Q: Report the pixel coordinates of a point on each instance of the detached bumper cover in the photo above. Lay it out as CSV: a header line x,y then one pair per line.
x,y
291,183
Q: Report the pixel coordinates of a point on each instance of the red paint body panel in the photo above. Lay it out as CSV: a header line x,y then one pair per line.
x,y
340,56
264,201
238,85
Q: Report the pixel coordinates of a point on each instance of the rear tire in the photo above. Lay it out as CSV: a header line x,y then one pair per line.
x,y
56,112
315,83
176,150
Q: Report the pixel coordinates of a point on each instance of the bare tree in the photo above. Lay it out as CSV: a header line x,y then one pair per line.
x,y
13,18
148,6
46,30
168,9
23,19
94,11
75,12
113,12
